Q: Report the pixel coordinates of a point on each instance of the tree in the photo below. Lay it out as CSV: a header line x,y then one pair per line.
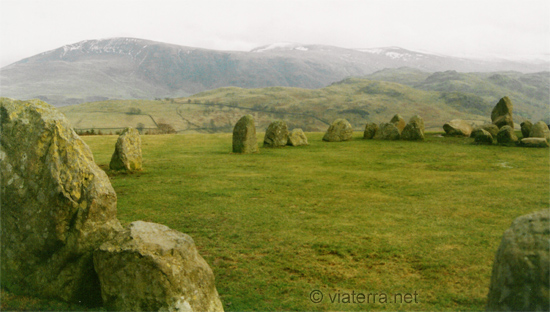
x,y
140,126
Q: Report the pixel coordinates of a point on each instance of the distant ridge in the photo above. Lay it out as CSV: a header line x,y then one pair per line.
x,y
132,68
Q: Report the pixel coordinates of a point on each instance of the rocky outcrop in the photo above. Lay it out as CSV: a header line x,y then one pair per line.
x,y
457,127
244,136
502,113
150,267
540,130
483,137
526,128
399,122
519,280
534,142
506,135
387,131
276,134
127,154
370,130
297,137
339,130
58,206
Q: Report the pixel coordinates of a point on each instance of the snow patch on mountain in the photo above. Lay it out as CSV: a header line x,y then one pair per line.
x,y
284,46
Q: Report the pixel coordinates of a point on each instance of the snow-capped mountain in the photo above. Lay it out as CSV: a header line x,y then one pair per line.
x,y
135,68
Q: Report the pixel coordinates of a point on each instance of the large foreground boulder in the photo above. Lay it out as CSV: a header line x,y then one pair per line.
x,y
399,122
519,280
534,142
58,206
458,127
244,136
127,154
387,131
502,113
276,134
339,130
297,137
506,135
370,130
150,267
526,128
540,130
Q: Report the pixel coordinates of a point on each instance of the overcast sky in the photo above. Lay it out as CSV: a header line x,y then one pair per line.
x,y
506,28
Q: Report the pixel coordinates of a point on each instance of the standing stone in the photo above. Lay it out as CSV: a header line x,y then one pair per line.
x,y
484,137
370,130
399,122
244,136
297,137
150,267
458,127
58,206
276,134
417,119
540,130
534,142
519,280
413,132
339,130
502,113
526,128
506,135
127,155
387,131
492,129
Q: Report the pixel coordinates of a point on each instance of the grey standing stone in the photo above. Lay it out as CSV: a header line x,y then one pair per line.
x,y
540,130
458,127
339,130
534,142
370,130
417,119
502,113
506,135
526,128
387,131
484,137
413,132
244,136
127,154
297,137
58,206
150,267
399,122
276,134
491,128
519,280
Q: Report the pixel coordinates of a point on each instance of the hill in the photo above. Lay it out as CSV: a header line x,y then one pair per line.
x,y
129,68
358,100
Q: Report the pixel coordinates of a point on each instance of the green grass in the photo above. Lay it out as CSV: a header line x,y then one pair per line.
x,y
362,216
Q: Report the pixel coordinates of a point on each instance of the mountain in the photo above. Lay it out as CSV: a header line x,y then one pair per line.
x,y
129,68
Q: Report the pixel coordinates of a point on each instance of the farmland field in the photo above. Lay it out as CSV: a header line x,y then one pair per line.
x,y
417,222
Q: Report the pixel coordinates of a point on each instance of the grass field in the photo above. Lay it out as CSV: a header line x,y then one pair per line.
x,y
419,219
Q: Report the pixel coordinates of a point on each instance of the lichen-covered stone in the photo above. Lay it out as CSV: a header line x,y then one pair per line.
x,y
483,137
417,119
413,132
458,127
370,130
519,280
534,142
276,134
492,129
127,154
150,267
399,122
387,131
244,136
339,130
526,128
297,137
57,205
506,135
540,130
502,113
